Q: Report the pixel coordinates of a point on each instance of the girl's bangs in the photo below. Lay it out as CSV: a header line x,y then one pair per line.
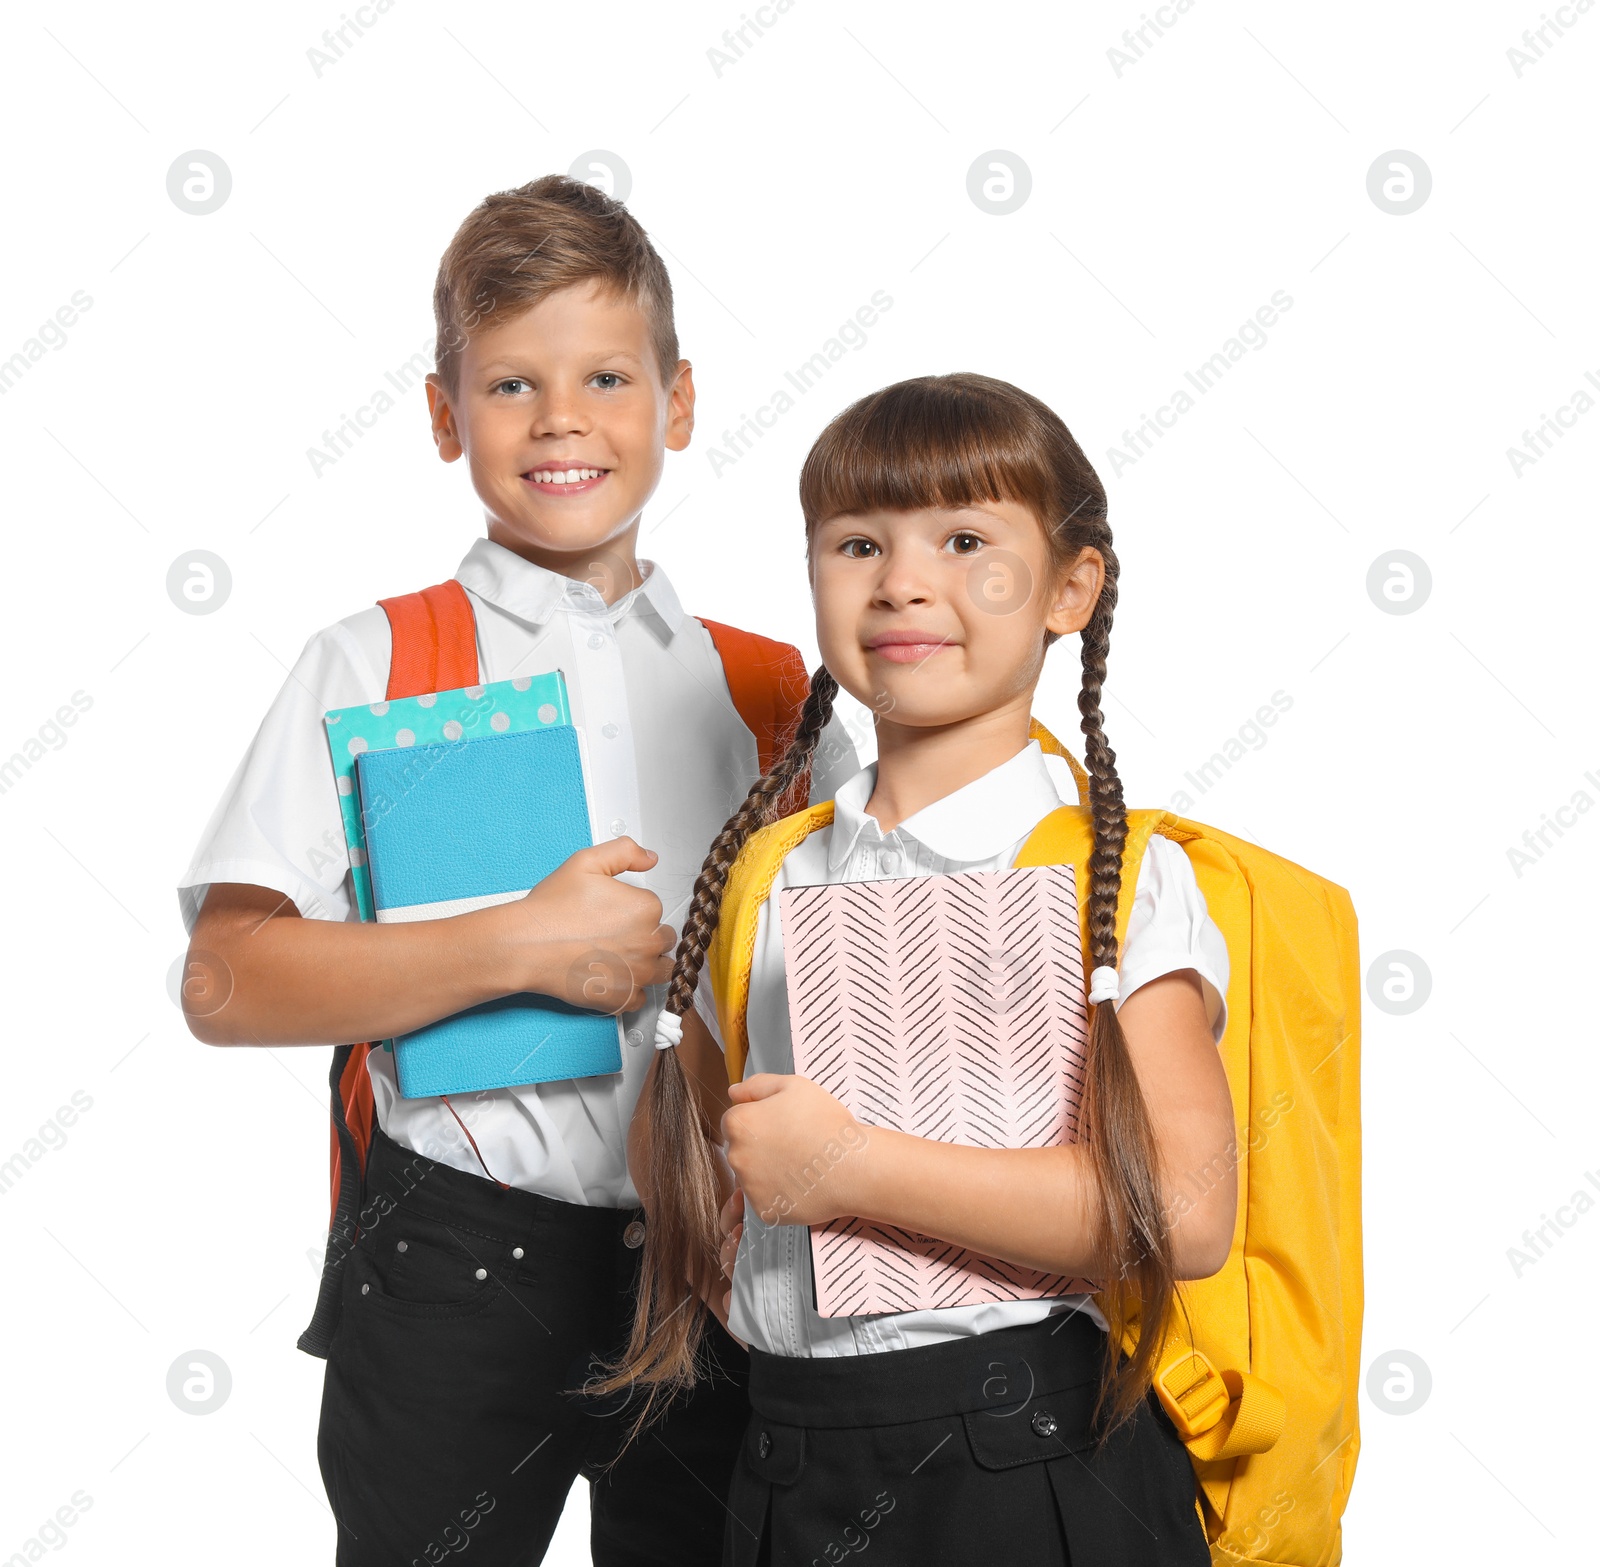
x,y
936,442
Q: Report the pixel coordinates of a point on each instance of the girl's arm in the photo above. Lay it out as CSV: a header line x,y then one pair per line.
x,y
801,1158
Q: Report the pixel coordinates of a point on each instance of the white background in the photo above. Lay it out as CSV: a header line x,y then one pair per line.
x,y
185,1208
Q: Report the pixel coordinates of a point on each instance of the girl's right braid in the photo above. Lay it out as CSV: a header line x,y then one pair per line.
x,y
681,1233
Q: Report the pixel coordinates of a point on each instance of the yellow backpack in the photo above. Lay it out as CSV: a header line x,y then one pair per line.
x,y
1261,1368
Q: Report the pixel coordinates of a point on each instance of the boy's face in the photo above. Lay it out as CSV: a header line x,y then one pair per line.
x,y
564,421
938,617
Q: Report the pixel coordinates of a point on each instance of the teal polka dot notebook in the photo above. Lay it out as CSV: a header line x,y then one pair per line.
x,y
499,707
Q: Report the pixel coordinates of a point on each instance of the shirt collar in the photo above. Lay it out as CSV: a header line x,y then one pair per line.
x,y
535,594
977,822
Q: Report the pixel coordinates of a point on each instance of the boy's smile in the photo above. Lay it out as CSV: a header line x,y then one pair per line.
x,y
557,478
563,417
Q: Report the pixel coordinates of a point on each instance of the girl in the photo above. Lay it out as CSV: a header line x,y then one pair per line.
x,y
954,530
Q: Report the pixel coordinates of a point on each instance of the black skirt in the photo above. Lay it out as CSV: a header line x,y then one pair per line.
x,y
974,1450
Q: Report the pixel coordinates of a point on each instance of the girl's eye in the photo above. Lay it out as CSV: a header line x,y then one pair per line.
x,y
964,543
611,378
513,386
858,549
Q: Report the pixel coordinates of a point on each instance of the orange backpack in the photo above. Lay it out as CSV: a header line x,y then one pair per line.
x,y
435,648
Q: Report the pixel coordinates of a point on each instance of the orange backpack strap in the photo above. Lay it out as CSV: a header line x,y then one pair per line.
x,y
769,685
433,647
433,641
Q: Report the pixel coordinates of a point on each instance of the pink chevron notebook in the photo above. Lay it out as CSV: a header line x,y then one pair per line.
x,y
952,1007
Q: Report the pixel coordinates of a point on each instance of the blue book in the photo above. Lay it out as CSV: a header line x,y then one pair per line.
x,y
499,707
461,824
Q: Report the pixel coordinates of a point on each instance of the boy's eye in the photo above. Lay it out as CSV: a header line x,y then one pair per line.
x,y
964,543
859,549
512,386
608,380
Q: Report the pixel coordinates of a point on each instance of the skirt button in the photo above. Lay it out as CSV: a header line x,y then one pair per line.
x,y
633,1236
1044,1423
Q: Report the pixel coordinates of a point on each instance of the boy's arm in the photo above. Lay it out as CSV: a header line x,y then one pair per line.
x,y
1031,1206
260,974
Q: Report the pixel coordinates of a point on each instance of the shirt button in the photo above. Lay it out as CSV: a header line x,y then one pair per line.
x,y
618,827
635,1036
597,640
482,1273
609,731
633,1236
1043,1423
516,1251
401,1245
366,1289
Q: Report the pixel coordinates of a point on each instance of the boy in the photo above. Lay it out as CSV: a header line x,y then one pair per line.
x,y
483,1258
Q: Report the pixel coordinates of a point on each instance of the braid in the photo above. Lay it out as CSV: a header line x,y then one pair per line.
x,y
1131,1230
682,1239
1106,807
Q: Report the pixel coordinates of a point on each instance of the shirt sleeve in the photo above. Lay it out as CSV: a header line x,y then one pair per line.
x,y
278,823
1169,929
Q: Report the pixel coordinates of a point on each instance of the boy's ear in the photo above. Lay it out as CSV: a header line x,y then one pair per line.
x,y
443,418
1076,592
680,408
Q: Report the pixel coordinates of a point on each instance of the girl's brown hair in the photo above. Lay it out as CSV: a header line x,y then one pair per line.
x,y
937,441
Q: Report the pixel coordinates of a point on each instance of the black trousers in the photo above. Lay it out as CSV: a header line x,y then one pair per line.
x,y
977,1450
467,1311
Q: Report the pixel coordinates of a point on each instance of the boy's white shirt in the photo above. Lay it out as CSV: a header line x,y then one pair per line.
x,y
981,827
668,761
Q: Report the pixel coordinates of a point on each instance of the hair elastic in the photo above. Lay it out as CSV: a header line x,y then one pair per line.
x,y
1103,984
669,1029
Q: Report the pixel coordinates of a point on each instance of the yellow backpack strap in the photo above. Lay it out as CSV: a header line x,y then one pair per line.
x,y
1053,747
733,946
1066,837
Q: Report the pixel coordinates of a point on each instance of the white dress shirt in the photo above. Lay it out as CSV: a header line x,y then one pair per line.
x,y
668,761
981,827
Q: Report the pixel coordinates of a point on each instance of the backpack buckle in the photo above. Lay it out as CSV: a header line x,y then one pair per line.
x,y
1193,1393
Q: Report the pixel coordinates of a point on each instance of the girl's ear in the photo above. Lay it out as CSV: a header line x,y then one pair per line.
x,y
1077,591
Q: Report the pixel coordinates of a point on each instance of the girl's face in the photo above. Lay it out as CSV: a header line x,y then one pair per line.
x,y
936,616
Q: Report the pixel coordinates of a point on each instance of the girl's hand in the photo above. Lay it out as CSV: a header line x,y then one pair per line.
x,y
793,1147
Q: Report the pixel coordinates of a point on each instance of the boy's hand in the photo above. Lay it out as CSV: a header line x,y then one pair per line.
x,y
793,1147
588,939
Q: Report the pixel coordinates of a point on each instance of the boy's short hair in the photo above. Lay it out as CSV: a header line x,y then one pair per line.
x,y
518,246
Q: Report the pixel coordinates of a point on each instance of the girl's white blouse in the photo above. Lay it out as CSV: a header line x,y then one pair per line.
x,y
981,827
